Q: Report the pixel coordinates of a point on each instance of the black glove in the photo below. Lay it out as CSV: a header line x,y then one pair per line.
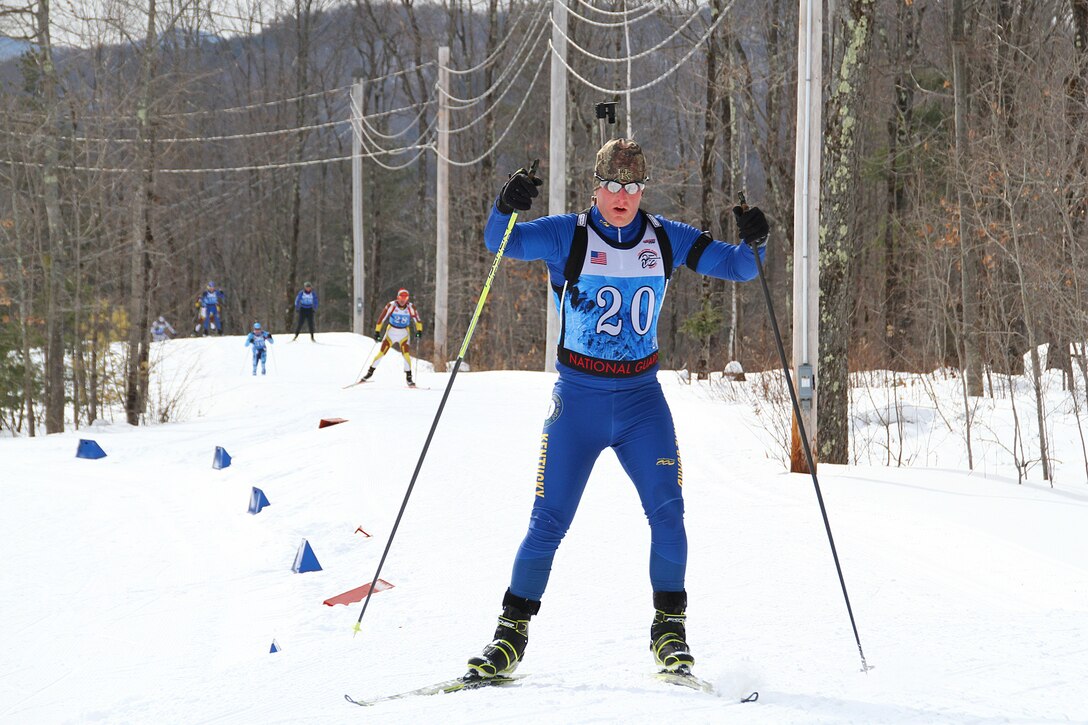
x,y
377,336
519,191
752,227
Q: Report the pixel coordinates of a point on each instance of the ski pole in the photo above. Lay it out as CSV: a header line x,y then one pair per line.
x,y
442,404
366,359
803,434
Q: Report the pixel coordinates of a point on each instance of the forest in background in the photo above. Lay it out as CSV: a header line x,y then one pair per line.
x,y
145,151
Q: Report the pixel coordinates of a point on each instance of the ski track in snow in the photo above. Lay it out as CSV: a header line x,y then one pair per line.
x,y
137,588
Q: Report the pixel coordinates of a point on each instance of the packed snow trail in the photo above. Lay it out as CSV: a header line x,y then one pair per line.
x,y
138,589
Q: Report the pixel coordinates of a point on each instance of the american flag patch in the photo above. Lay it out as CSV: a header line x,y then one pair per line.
x,y
598,258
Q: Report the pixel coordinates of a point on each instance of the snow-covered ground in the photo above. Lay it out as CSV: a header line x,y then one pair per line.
x,y
137,589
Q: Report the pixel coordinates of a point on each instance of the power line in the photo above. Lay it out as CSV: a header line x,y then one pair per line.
x,y
510,125
601,24
650,84
526,47
630,11
489,60
604,59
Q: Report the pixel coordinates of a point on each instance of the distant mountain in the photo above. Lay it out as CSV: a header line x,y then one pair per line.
x,y
11,48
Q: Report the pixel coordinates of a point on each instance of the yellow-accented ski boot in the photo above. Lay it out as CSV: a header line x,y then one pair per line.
x,y
667,635
504,653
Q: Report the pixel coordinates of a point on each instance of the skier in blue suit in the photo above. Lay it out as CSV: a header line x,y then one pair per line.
x,y
305,309
609,268
260,340
210,303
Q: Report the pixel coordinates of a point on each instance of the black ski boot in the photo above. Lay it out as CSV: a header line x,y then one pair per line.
x,y
408,376
504,654
368,374
667,636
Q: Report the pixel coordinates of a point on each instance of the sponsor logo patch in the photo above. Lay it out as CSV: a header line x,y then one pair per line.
x,y
666,461
649,258
555,409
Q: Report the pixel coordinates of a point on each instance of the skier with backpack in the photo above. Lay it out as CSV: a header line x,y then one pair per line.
x,y
609,268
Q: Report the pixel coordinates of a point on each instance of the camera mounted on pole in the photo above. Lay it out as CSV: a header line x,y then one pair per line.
x,y
606,114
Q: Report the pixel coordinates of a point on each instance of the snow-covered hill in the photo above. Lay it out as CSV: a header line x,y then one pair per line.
x,y
136,588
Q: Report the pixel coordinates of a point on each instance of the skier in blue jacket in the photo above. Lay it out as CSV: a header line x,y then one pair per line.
x,y
609,268
305,309
210,303
260,340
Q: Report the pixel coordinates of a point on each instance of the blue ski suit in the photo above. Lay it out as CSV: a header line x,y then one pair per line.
x,y
609,284
260,341
211,301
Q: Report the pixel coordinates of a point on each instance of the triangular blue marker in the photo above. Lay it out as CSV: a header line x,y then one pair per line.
x,y
305,559
89,449
275,648
257,501
222,458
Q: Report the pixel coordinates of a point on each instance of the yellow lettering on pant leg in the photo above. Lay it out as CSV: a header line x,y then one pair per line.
x,y
540,464
679,467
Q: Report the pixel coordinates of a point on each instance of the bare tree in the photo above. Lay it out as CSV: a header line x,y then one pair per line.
x,y
851,35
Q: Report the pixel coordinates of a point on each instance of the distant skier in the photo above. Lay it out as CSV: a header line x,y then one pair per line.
x,y
399,313
260,340
210,303
162,330
305,309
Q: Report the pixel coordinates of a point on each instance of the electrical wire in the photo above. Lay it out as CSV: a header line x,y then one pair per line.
x,y
489,60
228,137
418,143
406,129
222,169
365,136
644,86
602,24
526,48
510,125
571,44
629,11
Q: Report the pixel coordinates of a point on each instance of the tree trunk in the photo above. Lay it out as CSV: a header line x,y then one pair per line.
x,y
136,371
303,24
969,261
843,119
55,269
899,136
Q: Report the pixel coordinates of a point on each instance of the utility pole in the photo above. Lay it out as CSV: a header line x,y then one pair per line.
x,y
442,212
806,224
358,268
557,157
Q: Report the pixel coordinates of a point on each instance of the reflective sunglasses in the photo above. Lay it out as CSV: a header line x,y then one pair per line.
x,y
613,186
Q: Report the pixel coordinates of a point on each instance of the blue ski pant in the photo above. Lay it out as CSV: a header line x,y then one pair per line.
x,y
588,415
260,355
211,314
